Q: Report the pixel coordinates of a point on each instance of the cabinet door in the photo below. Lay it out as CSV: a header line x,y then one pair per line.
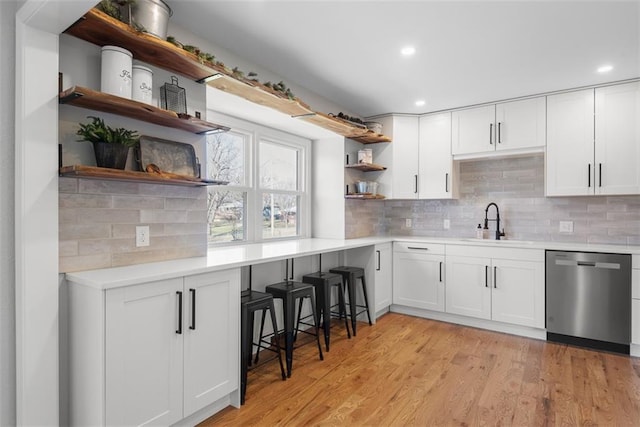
x,y
383,276
468,289
436,179
517,294
473,130
418,280
404,167
569,156
521,124
617,150
144,354
211,338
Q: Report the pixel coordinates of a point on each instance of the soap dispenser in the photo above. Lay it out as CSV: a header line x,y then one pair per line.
x,y
479,232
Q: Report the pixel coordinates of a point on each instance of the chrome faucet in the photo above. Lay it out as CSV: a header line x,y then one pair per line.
x,y
497,220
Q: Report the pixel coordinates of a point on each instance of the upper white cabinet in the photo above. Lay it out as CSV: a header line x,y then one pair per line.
x,y
593,141
437,178
401,157
510,127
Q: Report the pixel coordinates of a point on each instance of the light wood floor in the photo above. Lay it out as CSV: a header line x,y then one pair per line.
x,y
412,371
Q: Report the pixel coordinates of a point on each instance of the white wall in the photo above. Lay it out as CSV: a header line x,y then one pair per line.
x,y
7,255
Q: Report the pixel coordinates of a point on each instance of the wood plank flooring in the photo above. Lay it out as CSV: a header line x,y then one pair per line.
x,y
411,371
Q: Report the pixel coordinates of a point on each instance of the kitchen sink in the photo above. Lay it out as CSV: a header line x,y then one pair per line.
x,y
499,242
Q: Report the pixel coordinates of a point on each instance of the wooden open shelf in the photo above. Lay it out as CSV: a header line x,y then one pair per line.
x,y
367,167
92,172
101,29
87,98
364,196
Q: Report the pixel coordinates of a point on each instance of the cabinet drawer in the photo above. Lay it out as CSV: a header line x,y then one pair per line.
x,y
635,283
420,247
516,254
635,261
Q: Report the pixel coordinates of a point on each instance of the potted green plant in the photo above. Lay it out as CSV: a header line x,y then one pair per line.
x,y
111,145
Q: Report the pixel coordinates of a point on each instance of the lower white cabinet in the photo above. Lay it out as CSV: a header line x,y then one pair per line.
x,y
153,353
635,301
505,285
418,275
383,276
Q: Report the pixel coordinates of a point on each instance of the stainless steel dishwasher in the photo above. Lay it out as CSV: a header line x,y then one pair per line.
x,y
588,299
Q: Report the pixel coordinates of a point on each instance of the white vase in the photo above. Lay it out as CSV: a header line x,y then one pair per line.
x,y
142,89
115,75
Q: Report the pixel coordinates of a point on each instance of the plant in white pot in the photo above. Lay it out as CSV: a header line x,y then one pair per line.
x,y
111,145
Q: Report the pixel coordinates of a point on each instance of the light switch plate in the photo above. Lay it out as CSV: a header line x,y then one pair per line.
x,y
142,235
566,227
408,223
446,224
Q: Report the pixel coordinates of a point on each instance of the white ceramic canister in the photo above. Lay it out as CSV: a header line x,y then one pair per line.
x,y
116,71
142,84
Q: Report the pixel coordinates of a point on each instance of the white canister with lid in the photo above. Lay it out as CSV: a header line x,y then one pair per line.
x,y
142,84
115,77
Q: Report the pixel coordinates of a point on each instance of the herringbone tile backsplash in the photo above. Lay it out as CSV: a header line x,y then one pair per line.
x,y
517,186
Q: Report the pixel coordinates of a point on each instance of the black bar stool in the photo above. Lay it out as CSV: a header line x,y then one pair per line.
x,y
251,302
350,275
323,283
289,291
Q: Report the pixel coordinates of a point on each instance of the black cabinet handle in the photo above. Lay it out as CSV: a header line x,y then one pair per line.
x,y
486,276
446,182
179,330
499,132
378,255
589,174
600,174
440,271
490,133
416,178
193,309
494,276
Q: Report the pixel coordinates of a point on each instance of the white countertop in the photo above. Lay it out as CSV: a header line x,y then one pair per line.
x,y
222,258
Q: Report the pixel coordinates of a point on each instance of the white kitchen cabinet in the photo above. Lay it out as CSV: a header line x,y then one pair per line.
x,y
155,352
383,277
400,181
498,284
593,142
506,128
418,275
437,178
635,305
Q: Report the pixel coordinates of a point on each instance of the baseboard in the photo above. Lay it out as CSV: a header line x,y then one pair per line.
x,y
490,325
634,350
206,412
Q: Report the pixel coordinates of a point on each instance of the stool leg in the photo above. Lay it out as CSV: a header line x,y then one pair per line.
x,y
276,336
289,315
323,308
264,315
366,300
343,309
295,335
351,288
316,321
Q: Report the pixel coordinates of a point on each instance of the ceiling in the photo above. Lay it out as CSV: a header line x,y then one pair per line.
x,y
467,52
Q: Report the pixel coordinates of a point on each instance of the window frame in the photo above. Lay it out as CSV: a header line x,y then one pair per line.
x,y
252,218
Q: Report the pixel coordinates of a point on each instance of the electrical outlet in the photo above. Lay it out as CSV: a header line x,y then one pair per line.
x,y
142,235
566,227
408,223
446,224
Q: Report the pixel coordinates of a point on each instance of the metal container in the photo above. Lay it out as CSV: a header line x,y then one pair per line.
x,y
142,89
115,74
151,16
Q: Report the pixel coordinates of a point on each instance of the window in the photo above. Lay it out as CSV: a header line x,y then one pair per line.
x,y
267,192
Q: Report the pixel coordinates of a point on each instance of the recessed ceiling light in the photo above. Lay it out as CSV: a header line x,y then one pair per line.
x,y
408,50
605,68
420,103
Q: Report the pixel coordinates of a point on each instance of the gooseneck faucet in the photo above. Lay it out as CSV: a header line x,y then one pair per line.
x,y
497,220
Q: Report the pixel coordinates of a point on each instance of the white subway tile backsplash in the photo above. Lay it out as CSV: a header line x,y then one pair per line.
x,y
517,186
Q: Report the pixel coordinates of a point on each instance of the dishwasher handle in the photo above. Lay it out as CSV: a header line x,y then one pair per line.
x,y
594,264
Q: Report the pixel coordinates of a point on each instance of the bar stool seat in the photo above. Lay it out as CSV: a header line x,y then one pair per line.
x,y
289,291
323,282
350,275
250,303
